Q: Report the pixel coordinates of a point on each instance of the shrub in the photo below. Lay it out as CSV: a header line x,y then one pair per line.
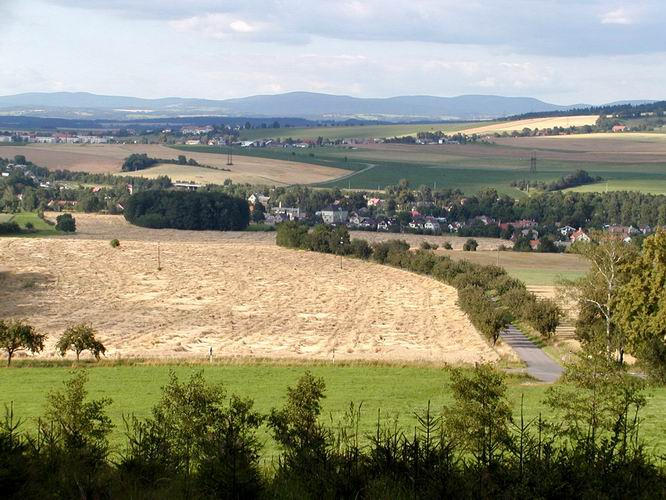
x,y
470,245
381,250
360,249
291,235
65,223
425,245
543,315
9,228
114,243
29,226
447,246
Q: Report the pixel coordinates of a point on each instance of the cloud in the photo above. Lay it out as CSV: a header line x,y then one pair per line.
x,y
565,27
617,16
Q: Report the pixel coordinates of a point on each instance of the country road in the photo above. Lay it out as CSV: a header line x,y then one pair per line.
x,y
539,364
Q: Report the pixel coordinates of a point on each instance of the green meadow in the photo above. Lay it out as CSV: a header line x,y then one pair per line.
x,y
40,228
378,167
391,392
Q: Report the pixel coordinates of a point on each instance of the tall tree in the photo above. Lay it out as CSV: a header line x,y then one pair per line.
x,y
641,305
598,291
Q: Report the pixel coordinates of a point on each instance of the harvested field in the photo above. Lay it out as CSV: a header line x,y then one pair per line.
x,y
241,298
107,158
550,122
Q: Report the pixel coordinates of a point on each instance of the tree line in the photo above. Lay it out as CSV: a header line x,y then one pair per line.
x,y
187,210
141,161
486,293
578,178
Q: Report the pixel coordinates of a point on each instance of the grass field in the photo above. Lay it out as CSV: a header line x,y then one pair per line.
x,y
625,164
397,390
41,228
532,268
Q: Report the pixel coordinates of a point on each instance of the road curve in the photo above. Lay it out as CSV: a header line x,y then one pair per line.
x,y
539,364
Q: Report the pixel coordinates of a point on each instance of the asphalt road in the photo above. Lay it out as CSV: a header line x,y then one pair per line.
x,y
539,365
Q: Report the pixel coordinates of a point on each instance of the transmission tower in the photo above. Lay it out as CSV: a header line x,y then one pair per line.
x,y
533,164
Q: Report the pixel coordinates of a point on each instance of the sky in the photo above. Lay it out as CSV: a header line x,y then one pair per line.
x,y
561,51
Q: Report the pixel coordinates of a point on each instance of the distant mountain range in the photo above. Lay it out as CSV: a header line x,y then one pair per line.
x,y
309,105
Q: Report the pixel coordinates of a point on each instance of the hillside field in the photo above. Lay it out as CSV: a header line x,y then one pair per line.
x,y
243,299
108,158
624,161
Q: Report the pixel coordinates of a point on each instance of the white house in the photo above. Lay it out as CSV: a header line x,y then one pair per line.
x,y
579,235
566,230
255,198
334,215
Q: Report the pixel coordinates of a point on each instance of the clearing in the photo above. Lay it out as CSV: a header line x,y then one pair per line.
x,y
219,290
532,123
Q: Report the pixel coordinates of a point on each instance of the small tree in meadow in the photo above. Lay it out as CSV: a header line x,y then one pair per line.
x,y
66,223
17,335
79,338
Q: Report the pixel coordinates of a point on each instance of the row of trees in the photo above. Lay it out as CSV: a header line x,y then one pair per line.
x,y
200,442
578,178
18,335
487,294
141,161
187,210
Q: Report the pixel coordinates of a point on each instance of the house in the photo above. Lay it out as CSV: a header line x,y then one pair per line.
x,y
193,142
196,130
431,224
566,230
579,235
289,213
374,202
484,219
188,186
333,215
5,138
255,198
619,128
534,245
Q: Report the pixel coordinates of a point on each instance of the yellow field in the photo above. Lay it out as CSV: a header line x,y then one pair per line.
x,y
224,290
108,158
532,123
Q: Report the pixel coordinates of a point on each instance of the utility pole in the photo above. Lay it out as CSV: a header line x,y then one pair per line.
x,y
533,163
230,156
159,264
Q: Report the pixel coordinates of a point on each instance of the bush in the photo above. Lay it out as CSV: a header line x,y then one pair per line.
x,y
9,228
425,245
114,243
65,223
380,251
291,235
470,245
447,246
29,226
360,249
187,210
543,315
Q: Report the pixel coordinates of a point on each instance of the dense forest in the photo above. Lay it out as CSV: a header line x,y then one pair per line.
x,y
187,210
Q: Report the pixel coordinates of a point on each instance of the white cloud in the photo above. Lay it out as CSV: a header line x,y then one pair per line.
x,y
617,16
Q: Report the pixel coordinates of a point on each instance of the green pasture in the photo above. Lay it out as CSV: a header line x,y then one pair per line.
x,y
40,227
378,167
394,392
